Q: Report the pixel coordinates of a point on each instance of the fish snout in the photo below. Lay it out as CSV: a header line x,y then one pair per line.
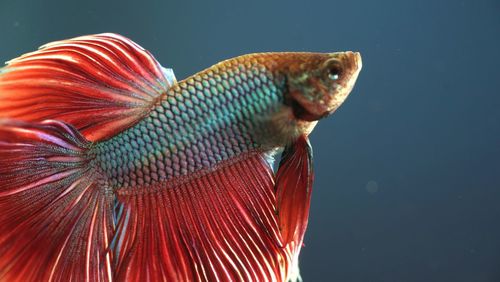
x,y
353,62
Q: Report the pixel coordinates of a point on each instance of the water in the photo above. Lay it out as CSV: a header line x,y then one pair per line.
x,y
407,171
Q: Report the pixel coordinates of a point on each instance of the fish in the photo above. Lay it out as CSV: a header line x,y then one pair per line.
x,y
112,170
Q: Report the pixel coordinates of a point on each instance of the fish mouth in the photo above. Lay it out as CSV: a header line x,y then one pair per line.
x,y
306,110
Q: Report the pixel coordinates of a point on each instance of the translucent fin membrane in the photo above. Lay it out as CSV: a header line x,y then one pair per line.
x,y
55,219
101,84
294,189
221,226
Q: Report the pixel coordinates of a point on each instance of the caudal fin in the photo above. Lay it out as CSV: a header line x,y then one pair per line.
x,y
56,214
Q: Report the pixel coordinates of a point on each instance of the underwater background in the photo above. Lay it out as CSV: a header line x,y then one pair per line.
x,y
407,170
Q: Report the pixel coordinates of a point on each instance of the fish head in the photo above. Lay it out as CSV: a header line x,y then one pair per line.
x,y
309,86
318,83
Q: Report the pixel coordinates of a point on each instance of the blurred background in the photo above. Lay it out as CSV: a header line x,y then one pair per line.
x,y
407,171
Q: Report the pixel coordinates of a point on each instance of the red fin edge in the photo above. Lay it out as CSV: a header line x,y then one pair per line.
x,y
221,226
294,181
101,84
56,218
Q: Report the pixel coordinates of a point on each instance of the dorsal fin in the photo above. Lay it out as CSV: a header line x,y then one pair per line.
x,y
101,84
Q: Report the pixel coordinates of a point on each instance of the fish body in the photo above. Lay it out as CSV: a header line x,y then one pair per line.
x,y
232,108
141,177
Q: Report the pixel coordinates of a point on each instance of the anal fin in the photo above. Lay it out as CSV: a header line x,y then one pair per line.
x,y
218,226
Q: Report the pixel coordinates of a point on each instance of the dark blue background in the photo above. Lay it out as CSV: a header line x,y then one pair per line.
x,y
408,170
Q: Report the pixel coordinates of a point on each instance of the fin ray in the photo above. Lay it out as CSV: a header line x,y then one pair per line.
x,y
101,84
294,181
210,227
56,218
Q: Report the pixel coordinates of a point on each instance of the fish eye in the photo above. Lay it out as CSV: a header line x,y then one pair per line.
x,y
334,72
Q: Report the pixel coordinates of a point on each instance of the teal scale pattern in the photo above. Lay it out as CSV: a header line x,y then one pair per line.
x,y
208,118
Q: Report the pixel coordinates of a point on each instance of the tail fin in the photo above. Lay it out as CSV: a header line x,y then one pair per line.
x,y
56,215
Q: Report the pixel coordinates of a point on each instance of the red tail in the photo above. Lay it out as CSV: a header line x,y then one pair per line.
x,y
56,212
56,218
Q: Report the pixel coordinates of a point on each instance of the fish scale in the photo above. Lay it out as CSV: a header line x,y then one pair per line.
x,y
110,170
201,121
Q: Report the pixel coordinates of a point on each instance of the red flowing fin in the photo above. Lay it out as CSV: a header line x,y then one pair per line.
x,y
294,181
217,226
101,84
56,217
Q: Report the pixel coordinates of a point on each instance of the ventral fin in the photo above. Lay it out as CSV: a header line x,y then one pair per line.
x,y
294,181
101,84
217,226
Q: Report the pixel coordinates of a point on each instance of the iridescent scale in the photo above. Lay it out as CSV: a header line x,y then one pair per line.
x,y
208,118
111,170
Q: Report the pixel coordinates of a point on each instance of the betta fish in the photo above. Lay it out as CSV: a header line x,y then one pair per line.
x,y
112,170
